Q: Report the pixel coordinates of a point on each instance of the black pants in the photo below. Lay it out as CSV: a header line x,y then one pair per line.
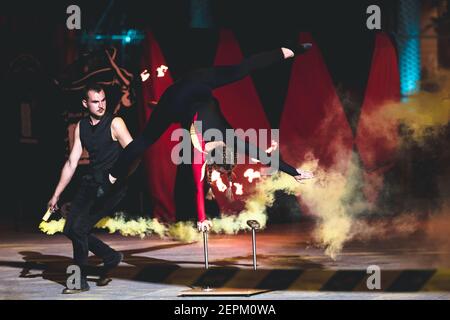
x,y
85,211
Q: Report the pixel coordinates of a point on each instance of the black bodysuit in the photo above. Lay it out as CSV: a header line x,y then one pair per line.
x,y
189,98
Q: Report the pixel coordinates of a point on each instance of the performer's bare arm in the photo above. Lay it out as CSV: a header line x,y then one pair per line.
x,y
68,170
119,132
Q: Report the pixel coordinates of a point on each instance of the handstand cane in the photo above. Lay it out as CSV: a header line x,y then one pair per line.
x,y
205,252
255,226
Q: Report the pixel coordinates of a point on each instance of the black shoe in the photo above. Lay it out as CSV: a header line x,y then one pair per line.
x,y
109,264
84,287
301,48
113,261
103,281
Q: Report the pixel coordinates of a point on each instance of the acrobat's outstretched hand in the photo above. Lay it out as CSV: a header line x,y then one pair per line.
x,y
204,226
303,175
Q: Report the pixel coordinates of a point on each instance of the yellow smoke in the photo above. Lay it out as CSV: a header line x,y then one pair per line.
x,y
331,197
334,196
418,112
385,228
184,232
255,209
53,226
227,225
181,231
140,227
256,205
235,223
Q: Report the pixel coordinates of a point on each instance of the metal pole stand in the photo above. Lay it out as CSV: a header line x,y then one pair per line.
x,y
205,254
226,291
254,225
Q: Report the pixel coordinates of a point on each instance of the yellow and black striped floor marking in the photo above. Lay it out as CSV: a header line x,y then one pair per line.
x,y
431,280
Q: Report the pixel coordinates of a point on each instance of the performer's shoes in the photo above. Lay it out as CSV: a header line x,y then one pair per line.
x,y
113,262
103,281
83,288
301,48
108,265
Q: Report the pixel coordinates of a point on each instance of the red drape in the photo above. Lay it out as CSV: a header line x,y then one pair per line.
x,y
161,171
376,137
313,120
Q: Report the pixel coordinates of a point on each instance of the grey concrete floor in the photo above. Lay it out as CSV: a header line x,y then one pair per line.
x,y
32,265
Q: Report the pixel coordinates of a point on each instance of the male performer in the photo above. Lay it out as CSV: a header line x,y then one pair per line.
x,y
103,136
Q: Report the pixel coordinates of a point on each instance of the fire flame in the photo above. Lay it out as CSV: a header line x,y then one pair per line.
x,y
239,188
161,71
215,177
145,75
252,174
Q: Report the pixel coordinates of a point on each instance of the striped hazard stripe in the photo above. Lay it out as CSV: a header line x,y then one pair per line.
x,y
433,280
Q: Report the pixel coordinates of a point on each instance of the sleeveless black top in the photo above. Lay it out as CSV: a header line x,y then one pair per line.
x,y
97,139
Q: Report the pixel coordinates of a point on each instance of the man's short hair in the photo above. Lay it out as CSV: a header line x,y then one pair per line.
x,y
91,87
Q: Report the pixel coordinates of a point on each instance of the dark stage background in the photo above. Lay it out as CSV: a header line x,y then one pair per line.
x,y
36,33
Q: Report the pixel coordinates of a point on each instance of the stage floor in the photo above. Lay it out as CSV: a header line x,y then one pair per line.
x,y
33,266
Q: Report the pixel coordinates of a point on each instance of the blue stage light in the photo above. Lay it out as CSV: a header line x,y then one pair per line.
x,y
128,37
409,46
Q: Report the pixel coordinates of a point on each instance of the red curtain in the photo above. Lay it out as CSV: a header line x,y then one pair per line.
x,y
376,137
313,120
161,171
